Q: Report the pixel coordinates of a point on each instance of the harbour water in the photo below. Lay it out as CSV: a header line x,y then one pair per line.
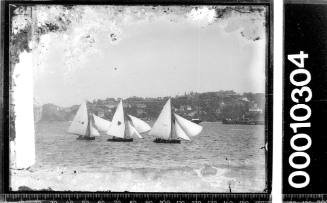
x,y
222,158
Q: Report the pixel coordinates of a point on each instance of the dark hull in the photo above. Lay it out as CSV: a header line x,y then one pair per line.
x,y
197,121
172,141
85,138
120,140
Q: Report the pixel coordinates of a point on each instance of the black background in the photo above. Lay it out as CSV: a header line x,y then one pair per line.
x,y
305,29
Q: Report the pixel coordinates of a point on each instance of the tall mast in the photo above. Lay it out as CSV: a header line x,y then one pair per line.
x,y
128,121
117,127
171,129
172,120
88,131
162,126
126,126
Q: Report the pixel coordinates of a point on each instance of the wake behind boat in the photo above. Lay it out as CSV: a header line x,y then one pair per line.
x,y
123,128
169,127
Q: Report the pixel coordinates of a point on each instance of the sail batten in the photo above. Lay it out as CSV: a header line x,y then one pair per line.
x,y
117,127
80,122
139,125
162,127
191,129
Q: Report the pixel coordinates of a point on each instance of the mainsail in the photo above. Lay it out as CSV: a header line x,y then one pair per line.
x,y
190,128
101,124
162,127
139,125
132,131
117,127
80,121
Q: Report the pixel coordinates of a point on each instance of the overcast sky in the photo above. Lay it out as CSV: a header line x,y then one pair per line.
x,y
145,54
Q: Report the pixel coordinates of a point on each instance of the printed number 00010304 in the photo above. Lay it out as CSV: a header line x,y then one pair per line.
x,y
300,92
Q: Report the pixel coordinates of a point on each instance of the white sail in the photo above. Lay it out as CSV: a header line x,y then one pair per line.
x,y
101,124
132,131
162,127
140,125
117,127
93,131
80,121
180,132
190,128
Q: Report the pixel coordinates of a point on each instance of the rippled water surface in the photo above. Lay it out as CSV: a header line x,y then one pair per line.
x,y
218,145
222,156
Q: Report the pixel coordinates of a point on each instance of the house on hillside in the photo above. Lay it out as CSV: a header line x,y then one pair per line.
x,y
100,113
110,104
255,109
127,105
140,113
140,106
184,108
192,113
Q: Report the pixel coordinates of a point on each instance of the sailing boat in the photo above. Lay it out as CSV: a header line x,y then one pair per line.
x,y
124,128
169,127
83,124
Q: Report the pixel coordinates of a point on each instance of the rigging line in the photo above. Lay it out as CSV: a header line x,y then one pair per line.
x,y
198,56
